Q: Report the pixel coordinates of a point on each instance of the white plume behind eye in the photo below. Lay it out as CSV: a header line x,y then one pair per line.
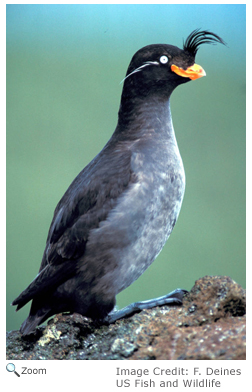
x,y
163,59
141,67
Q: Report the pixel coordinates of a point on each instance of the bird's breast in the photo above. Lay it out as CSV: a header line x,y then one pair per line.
x,y
136,230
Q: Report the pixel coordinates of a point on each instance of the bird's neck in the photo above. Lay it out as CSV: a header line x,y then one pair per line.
x,y
138,115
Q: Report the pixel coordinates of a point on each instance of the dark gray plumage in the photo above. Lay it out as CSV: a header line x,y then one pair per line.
x,y
116,216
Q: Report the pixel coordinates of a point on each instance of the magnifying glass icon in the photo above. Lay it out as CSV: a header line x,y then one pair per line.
x,y
11,368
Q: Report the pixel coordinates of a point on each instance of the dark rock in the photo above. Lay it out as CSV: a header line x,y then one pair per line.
x,y
209,325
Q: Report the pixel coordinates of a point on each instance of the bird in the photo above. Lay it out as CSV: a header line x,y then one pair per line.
x,y
117,214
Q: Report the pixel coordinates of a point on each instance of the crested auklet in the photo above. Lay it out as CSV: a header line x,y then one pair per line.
x,y
117,214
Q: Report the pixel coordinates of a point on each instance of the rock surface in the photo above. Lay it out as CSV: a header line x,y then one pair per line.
x,y
209,325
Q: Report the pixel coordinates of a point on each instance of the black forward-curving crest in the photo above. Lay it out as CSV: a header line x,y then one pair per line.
x,y
197,38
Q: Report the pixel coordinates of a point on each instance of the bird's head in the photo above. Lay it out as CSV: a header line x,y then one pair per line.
x,y
163,67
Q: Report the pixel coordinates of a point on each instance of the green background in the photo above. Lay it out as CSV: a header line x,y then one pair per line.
x,y
64,67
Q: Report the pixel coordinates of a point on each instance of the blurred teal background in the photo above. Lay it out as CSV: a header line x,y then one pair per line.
x,y
64,66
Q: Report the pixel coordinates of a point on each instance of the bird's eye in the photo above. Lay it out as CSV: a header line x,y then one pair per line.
x,y
163,59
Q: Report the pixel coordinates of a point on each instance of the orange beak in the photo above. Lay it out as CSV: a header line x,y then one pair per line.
x,y
193,72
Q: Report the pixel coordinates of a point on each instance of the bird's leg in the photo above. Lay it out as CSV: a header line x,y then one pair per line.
x,y
173,298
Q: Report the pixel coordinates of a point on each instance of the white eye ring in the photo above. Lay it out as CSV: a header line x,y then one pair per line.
x,y
163,59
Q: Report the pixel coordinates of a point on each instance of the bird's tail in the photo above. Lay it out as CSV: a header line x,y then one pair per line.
x,y
45,281
33,320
